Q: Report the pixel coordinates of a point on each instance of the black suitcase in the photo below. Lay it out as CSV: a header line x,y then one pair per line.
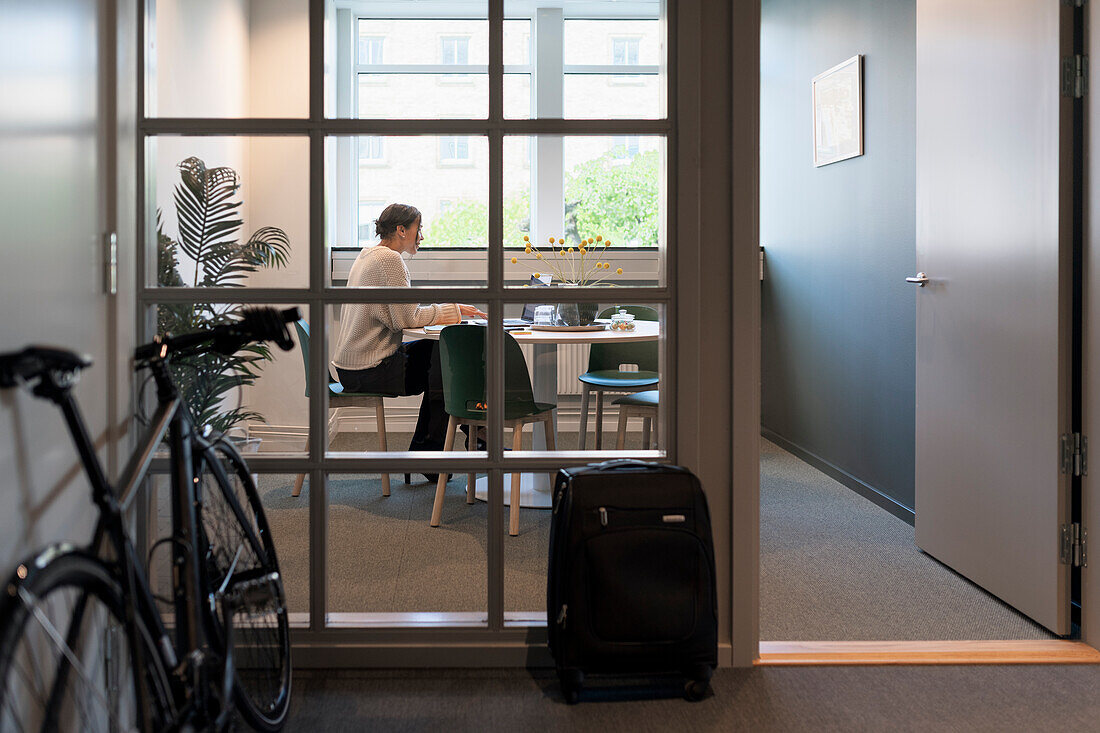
x,y
631,584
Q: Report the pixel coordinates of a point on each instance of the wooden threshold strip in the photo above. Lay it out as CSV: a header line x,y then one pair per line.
x,y
1053,651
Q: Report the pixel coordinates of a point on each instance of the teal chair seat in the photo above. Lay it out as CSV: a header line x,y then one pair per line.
x,y
604,375
612,379
639,404
462,361
338,398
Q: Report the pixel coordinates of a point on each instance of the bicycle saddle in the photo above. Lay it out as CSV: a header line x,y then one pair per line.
x,y
33,361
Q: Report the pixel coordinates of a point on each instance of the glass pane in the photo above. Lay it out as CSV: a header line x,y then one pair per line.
x,y
392,382
256,396
622,410
602,96
244,220
517,42
387,566
619,42
225,58
443,177
525,554
423,96
559,191
400,65
288,524
517,96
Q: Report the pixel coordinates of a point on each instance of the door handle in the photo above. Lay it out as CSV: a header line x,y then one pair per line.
x,y
921,279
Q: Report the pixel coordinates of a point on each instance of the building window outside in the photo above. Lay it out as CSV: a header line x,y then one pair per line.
x,y
624,147
454,50
370,49
454,149
624,51
372,150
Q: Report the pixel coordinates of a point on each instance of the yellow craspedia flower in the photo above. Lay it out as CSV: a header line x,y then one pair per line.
x,y
527,250
514,260
561,241
526,238
619,271
599,237
607,243
570,249
538,274
561,252
551,240
591,240
607,265
583,250
538,255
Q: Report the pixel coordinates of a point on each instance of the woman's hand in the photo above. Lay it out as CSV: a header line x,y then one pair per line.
x,y
469,311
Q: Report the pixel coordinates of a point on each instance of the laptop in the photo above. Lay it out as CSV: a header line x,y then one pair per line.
x,y
528,316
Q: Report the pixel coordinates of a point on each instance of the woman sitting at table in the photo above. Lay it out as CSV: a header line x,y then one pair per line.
x,y
370,356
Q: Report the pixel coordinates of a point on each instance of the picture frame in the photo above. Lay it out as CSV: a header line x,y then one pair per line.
x,y
838,112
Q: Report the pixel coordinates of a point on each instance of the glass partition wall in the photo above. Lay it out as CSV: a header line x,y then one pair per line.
x,y
535,141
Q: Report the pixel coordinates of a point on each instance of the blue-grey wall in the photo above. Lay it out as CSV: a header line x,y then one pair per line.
x,y
838,318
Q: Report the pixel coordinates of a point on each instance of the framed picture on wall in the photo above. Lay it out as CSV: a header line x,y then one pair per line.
x,y
838,112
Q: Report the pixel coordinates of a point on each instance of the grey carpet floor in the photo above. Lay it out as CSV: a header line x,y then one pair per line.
x,y
976,698
833,566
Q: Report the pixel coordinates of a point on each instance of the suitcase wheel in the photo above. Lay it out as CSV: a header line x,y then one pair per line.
x,y
572,680
695,689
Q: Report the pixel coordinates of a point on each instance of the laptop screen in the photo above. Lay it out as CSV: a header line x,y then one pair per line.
x,y
529,308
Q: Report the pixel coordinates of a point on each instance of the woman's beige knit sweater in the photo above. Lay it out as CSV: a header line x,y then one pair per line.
x,y
369,332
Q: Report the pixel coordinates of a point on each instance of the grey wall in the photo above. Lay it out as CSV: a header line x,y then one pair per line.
x,y
838,320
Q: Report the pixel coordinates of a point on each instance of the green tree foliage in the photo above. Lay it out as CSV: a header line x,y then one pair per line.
x,y
614,198
465,223
607,195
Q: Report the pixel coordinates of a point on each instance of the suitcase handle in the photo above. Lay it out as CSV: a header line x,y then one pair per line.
x,y
617,463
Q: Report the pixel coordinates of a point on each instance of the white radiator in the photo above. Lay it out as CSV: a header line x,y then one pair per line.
x,y
572,362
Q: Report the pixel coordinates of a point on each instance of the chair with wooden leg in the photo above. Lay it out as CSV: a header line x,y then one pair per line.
x,y
639,404
604,375
338,398
462,360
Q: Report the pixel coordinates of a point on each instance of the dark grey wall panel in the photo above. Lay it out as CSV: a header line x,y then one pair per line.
x,y
838,319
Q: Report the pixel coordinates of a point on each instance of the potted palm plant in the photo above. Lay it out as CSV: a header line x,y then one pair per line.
x,y
207,209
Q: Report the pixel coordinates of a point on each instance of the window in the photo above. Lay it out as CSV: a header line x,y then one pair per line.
x,y
624,51
370,49
368,212
371,150
454,149
455,50
624,147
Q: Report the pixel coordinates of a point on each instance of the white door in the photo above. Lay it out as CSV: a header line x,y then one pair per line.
x,y
53,149
994,205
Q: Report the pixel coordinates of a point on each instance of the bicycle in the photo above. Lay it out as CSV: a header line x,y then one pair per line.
x,y
83,644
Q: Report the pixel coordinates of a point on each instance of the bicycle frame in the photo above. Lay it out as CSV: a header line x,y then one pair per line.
x,y
190,651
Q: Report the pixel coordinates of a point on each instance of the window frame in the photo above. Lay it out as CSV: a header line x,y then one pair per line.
x,y
323,641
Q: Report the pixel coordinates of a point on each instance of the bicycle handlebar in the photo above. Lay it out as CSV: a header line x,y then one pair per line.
x,y
258,324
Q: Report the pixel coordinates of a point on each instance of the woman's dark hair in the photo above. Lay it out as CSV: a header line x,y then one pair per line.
x,y
393,216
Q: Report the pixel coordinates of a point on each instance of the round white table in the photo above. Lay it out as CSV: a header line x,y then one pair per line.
x,y
535,487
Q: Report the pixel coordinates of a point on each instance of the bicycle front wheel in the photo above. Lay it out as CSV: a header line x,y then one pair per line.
x,y
237,537
66,662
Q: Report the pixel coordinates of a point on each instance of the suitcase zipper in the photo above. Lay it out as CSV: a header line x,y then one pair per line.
x,y
603,516
561,615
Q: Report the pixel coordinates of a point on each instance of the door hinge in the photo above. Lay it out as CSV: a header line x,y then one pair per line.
x,y
1075,76
110,263
1075,545
1075,454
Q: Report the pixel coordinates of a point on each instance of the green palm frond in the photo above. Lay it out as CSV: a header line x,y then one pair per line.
x,y
209,220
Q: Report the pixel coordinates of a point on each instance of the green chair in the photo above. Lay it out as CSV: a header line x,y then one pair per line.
x,y
603,373
639,404
338,398
462,359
